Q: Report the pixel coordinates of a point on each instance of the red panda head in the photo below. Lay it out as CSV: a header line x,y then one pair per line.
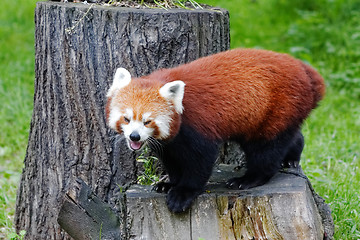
x,y
142,109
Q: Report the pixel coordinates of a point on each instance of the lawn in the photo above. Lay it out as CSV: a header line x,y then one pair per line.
x,y
16,94
323,33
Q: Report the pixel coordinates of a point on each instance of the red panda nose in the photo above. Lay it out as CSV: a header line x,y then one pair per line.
x,y
134,136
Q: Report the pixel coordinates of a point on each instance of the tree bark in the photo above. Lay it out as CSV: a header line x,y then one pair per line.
x,y
78,47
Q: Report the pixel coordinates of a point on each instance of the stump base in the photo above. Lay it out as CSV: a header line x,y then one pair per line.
x,y
284,208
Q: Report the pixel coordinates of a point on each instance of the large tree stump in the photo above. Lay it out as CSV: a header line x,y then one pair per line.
x,y
78,48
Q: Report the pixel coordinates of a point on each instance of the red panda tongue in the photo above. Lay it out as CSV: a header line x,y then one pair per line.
x,y
135,145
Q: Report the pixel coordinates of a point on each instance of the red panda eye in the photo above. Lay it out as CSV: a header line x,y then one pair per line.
x,y
126,120
147,122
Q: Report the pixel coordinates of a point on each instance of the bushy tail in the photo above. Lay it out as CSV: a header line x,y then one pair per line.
x,y
318,84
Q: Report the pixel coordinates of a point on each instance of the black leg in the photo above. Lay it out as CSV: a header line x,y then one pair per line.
x,y
188,160
292,158
264,159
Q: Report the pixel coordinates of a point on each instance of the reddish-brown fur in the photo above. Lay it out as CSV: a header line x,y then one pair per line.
x,y
256,94
259,98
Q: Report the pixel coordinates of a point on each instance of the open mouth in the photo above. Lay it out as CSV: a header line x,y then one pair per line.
x,y
135,145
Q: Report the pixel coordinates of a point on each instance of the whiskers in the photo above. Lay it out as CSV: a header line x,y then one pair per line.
x,y
155,145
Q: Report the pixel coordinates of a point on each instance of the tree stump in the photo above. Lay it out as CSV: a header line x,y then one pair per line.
x,y
78,47
285,208
282,209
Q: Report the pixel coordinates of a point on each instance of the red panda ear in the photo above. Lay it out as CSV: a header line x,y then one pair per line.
x,y
121,79
174,92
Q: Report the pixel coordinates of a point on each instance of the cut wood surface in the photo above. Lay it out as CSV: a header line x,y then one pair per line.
x,y
284,208
77,49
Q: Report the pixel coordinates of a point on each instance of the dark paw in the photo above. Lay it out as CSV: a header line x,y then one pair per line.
x,y
243,183
162,187
290,164
180,199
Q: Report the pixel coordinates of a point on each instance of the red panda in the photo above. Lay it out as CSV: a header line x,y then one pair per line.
x,y
258,98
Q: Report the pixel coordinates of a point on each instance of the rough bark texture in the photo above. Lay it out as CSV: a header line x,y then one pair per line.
x,y
78,48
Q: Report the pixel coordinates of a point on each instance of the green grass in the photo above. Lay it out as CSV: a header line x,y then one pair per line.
x,y
149,175
16,94
324,33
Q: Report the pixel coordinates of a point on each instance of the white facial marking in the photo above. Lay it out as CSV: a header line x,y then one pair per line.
x,y
114,116
122,78
146,116
174,91
163,123
129,113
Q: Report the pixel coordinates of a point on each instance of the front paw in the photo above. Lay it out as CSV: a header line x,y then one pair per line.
x,y
162,187
179,199
290,163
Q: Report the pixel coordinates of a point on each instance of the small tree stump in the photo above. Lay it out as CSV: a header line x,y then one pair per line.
x,y
78,47
284,208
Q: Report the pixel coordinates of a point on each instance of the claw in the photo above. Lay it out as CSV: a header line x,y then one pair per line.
x,y
162,187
